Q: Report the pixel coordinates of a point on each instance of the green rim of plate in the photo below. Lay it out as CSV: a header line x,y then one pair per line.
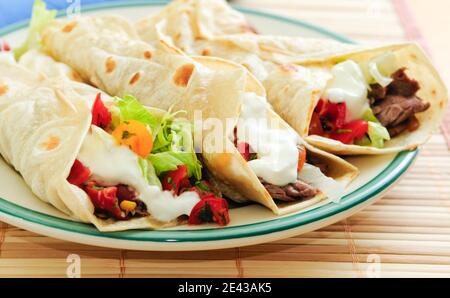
x,y
373,188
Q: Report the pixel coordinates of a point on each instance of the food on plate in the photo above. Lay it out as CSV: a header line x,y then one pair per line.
x,y
375,101
106,161
344,99
107,52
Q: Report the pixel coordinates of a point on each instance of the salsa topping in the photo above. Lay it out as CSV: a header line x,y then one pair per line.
x,y
79,174
101,116
329,120
210,208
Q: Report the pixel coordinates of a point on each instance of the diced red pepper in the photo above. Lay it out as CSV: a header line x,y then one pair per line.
x,y
101,117
333,112
244,150
4,46
315,126
351,131
203,189
176,180
210,210
301,158
327,117
79,174
105,199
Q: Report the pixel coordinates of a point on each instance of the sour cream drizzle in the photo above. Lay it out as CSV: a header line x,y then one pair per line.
x,y
276,148
112,164
350,86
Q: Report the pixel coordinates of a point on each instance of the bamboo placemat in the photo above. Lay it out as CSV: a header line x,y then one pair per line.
x,y
407,233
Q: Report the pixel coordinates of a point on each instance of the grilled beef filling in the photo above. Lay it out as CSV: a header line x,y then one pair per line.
x,y
291,192
395,106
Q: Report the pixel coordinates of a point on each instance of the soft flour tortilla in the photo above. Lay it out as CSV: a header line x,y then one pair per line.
x,y
215,87
43,123
107,52
213,28
190,20
295,99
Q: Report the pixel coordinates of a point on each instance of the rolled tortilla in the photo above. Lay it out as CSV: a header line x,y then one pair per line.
x,y
295,71
43,123
213,28
107,52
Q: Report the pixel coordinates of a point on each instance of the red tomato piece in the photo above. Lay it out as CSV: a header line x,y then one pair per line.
x,y
176,180
105,199
351,131
210,210
101,117
79,174
244,150
315,126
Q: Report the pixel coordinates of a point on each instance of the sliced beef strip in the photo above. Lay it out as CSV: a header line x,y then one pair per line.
x,y
396,109
402,84
291,192
395,106
377,92
411,124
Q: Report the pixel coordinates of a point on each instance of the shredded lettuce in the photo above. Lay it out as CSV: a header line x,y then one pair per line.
x,y
377,133
364,141
131,109
369,116
165,161
176,147
149,173
379,69
40,18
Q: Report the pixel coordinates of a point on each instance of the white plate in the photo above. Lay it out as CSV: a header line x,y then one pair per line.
x,y
249,225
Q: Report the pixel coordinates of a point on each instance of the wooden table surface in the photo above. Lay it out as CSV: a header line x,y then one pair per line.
x,y
407,233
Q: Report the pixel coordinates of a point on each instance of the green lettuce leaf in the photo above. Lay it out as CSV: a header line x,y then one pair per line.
x,y
369,116
131,109
40,18
149,172
175,146
378,134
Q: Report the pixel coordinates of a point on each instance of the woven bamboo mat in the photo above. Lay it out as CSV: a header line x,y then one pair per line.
x,y
407,233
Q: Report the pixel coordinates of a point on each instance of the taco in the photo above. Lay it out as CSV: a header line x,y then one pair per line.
x,y
101,160
377,101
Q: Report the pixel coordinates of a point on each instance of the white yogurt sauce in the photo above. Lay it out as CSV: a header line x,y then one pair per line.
x,y
277,148
350,86
112,164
